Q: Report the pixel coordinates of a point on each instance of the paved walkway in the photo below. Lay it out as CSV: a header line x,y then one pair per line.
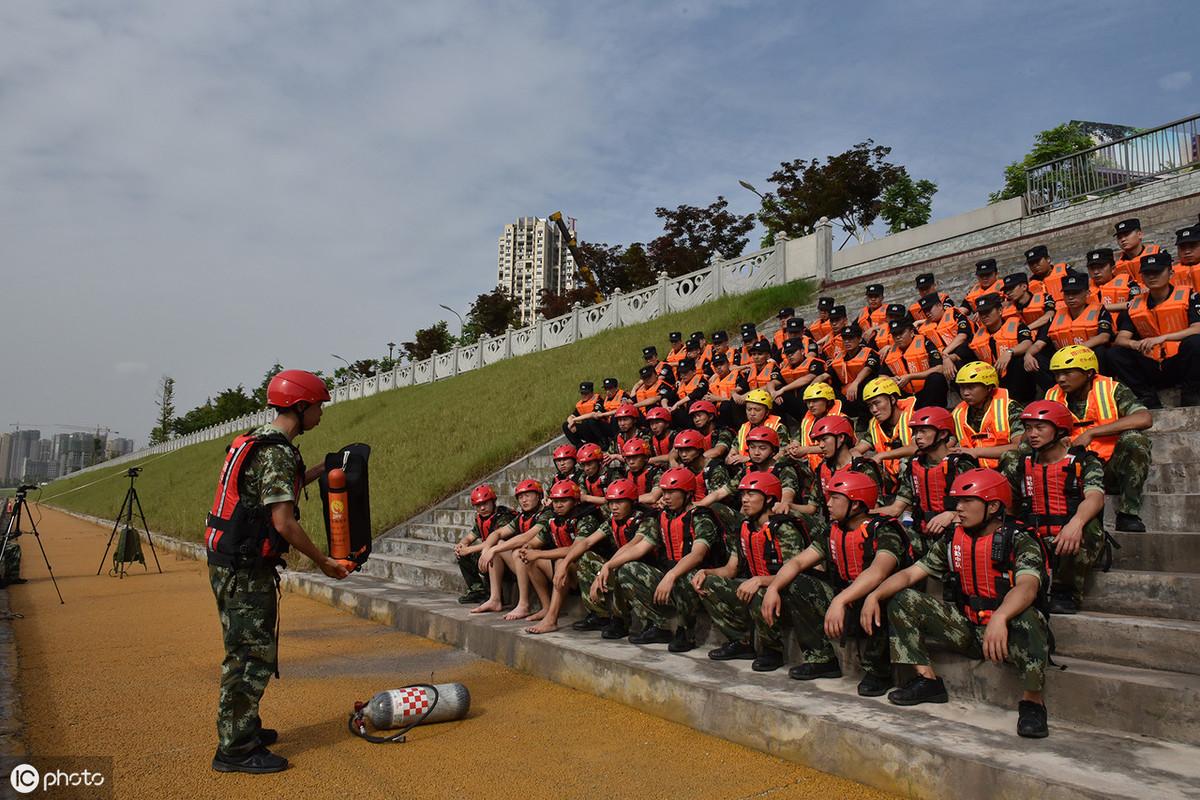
x,y
129,669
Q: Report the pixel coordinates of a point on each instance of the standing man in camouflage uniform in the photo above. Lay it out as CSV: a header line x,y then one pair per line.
x,y
253,522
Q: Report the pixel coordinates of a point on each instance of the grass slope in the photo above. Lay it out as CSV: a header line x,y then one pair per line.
x,y
427,441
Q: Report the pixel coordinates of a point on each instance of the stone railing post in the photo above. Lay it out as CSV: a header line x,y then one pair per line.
x,y
824,233
508,342
575,322
454,355
615,298
537,333
664,302
716,279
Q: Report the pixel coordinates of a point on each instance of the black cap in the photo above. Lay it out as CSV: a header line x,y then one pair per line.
x,y
1126,225
718,359
693,344
1015,279
586,387
747,327
675,336
760,347
697,335
838,311
988,265
896,309
785,312
792,345
925,280
1101,255
1075,282
1036,253
899,325
1187,235
988,301
611,383
875,290
825,303
853,331
646,371
686,364
794,325
1156,262
649,351
720,337
929,301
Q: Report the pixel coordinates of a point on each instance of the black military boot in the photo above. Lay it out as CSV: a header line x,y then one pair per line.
x,y
821,669
473,596
920,690
651,634
768,661
1062,601
1130,523
1031,720
267,736
874,685
732,650
592,622
615,629
1189,399
257,762
683,641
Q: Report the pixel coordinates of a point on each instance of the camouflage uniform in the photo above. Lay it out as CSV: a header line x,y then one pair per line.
x,y
591,562
637,580
905,491
917,619
1071,572
574,476
733,617
247,604
468,565
1125,473
807,600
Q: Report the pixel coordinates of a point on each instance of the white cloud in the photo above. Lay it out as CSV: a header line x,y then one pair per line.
x,y
1174,81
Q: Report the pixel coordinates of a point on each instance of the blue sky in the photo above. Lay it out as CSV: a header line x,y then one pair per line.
x,y
200,189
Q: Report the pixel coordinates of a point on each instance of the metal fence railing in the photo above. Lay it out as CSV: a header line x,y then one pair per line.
x,y
1113,166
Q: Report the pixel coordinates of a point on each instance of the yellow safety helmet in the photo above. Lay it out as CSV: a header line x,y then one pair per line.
x,y
978,372
1074,356
880,386
819,391
760,396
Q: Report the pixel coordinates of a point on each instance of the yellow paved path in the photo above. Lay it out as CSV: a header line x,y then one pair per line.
x,y
129,669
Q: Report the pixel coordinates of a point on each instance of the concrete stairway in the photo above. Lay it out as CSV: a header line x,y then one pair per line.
x,y
1125,713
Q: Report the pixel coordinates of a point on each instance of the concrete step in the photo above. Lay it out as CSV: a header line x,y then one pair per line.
x,y
1174,447
930,751
1176,419
1169,551
1163,595
440,576
423,549
1172,511
1174,478
435,532
459,517
1147,642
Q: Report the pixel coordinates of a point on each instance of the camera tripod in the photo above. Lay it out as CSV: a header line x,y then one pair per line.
x,y
125,524
13,530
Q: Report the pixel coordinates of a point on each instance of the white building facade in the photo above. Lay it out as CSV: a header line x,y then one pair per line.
x,y
531,256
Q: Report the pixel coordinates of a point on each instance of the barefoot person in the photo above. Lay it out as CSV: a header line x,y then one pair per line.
x,y
500,550
543,554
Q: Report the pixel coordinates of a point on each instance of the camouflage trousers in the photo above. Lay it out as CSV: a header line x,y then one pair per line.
x,y
918,620
1071,572
588,567
468,565
806,602
247,603
1125,473
738,620
10,561
636,582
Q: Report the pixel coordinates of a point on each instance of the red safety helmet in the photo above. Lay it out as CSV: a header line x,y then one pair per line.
x,y
704,406
689,439
983,484
296,386
832,425
932,417
529,485
764,483
657,412
482,493
623,489
563,490
635,447
763,434
589,452
855,486
678,479
627,410
564,451
1049,411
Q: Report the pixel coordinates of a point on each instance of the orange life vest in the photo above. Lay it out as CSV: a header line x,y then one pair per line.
x,y
1004,337
853,551
869,319
1031,312
820,329
1116,290
616,401
772,421
1066,330
678,535
1051,284
918,314
675,356
994,430
847,369
914,359
1101,409
1169,316
901,434
760,377
646,392
806,426
978,291
759,548
690,385
1133,266
585,406
723,387
980,571
1052,492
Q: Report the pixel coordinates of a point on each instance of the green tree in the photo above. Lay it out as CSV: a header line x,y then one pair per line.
x,y
551,304
617,267
228,404
166,410
1048,145
490,315
906,203
428,341
693,236
847,188
260,394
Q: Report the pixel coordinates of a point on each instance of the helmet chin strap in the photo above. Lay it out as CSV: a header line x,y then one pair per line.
x,y
937,441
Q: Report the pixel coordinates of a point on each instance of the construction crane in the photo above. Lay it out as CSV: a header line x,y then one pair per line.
x,y
580,263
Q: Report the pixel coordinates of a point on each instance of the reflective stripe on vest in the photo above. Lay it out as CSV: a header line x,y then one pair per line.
x,y
847,371
806,426
1005,336
723,387
1101,409
993,428
1054,492
914,359
761,550
759,377
773,422
230,522
901,434
1169,316
1115,291
1067,330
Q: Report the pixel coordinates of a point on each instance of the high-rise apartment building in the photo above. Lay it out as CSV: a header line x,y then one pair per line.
x,y
533,256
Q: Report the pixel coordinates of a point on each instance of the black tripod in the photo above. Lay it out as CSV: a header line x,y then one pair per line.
x,y
125,517
13,530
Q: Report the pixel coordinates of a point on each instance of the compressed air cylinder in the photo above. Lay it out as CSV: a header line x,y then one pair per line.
x,y
397,708
339,516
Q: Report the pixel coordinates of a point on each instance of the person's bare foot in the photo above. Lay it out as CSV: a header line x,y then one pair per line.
x,y
520,612
535,616
490,605
547,626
